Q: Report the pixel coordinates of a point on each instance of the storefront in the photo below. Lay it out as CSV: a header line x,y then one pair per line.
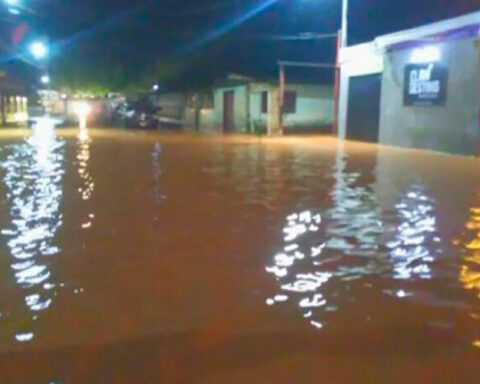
x,y
417,88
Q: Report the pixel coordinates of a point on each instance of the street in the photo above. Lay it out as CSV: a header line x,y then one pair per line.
x,y
135,256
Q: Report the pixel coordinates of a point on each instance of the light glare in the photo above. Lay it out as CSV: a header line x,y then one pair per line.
x,y
39,50
425,55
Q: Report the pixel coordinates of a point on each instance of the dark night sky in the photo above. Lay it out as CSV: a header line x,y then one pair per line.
x,y
156,38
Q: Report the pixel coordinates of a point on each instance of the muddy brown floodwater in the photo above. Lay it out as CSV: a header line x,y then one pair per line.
x,y
136,257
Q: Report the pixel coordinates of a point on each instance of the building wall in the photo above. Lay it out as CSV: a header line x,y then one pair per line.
x,y
207,123
314,108
358,60
172,105
450,128
261,122
14,109
240,108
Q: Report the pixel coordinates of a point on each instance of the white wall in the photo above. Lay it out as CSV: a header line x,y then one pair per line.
x,y
240,110
356,60
449,128
452,127
207,123
314,108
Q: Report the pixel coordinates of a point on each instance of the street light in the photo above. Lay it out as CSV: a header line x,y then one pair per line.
x,y
39,50
155,87
45,79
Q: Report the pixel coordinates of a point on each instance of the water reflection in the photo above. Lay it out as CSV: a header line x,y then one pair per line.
x,y
415,246
157,173
33,178
87,186
301,246
351,247
470,269
340,243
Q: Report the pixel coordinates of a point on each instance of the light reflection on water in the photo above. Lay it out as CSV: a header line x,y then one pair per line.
x,y
335,251
33,177
415,246
157,174
470,269
336,244
87,186
469,275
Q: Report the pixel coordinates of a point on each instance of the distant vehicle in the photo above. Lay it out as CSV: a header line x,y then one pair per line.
x,y
137,115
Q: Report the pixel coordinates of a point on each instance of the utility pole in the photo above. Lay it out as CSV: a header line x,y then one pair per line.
x,y
344,23
342,42
336,89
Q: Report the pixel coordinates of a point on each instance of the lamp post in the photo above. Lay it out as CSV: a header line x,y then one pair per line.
x,y
344,23
40,52
342,42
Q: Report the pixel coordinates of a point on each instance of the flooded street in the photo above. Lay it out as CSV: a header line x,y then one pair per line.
x,y
141,257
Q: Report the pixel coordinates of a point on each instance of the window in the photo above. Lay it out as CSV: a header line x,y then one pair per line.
x,y
265,102
290,102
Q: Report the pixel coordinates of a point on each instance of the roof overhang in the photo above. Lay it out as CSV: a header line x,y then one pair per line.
x,y
367,58
456,28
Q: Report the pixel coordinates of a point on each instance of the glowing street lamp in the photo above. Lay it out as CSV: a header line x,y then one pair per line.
x,y
155,87
45,79
39,50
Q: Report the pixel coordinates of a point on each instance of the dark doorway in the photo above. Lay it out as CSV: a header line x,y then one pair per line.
x,y
228,109
363,116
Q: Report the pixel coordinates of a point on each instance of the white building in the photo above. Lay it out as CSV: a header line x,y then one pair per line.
x,y
416,88
245,105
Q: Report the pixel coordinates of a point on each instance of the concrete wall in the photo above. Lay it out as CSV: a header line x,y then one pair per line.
x,y
314,106
262,122
207,123
172,105
449,128
240,108
357,60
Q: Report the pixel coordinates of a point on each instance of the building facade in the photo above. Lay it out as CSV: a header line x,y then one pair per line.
x,y
417,88
244,105
13,103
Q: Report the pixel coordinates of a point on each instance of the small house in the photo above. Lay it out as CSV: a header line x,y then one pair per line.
x,y
240,104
